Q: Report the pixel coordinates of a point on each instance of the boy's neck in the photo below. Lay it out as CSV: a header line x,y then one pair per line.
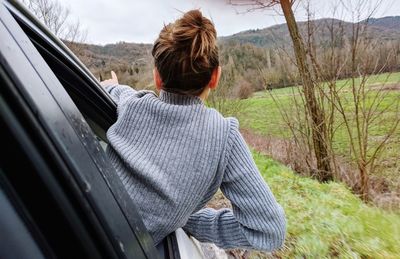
x,y
179,99
203,96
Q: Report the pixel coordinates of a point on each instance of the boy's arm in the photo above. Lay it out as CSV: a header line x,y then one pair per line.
x,y
118,92
257,221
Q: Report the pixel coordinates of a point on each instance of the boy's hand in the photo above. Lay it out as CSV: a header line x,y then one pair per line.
x,y
112,81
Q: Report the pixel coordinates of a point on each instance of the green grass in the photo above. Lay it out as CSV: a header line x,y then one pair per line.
x,y
261,115
388,78
325,220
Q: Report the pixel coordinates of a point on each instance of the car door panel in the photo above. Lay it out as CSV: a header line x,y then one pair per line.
x,y
101,161
14,234
69,132
27,147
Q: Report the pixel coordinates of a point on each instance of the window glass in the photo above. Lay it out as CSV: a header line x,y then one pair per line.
x,y
78,88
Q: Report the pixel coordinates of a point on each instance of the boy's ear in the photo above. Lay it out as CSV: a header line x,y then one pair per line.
x,y
215,76
157,79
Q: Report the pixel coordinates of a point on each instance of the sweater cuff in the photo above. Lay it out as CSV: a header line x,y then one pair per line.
x,y
216,226
109,88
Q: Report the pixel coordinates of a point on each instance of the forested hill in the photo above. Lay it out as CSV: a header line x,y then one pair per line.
x,y
118,54
386,28
244,54
389,22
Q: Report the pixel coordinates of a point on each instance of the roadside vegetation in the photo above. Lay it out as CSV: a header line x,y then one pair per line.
x,y
326,220
271,125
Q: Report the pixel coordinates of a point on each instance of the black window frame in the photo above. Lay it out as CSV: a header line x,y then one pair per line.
x,y
27,178
58,98
93,102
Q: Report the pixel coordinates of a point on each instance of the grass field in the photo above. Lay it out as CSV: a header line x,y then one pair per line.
x,y
327,220
261,115
387,78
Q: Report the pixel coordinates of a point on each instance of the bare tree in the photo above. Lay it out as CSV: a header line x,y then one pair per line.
x,y
57,18
370,105
316,113
354,107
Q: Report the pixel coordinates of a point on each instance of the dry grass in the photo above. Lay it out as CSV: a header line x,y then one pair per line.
x,y
288,153
386,87
283,150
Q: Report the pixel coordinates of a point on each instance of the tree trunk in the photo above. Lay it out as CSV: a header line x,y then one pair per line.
x,y
319,134
364,180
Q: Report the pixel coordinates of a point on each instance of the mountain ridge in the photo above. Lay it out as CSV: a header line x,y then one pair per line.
x,y
244,53
387,28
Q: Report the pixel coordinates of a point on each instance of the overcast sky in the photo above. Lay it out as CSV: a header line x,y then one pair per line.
x,y
141,20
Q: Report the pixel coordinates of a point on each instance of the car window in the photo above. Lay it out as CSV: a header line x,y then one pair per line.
x,y
79,91
96,107
44,75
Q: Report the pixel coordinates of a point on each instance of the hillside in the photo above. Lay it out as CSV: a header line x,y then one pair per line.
x,y
386,28
325,220
121,53
131,61
244,54
389,22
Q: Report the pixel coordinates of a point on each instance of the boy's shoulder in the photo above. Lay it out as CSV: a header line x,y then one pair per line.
x,y
231,121
234,122
143,93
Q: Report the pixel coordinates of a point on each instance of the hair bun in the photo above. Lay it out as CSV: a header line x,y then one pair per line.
x,y
193,18
189,25
196,32
186,52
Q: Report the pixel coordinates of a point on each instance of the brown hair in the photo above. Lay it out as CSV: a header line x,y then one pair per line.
x,y
185,54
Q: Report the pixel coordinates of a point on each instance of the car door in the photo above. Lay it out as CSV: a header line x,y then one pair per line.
x,y
91,203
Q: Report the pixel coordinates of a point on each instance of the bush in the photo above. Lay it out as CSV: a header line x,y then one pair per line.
x,y
244,89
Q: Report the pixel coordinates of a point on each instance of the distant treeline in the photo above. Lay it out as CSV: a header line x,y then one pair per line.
x,y
262,59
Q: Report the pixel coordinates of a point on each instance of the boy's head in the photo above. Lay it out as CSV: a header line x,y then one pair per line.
x,y
186,55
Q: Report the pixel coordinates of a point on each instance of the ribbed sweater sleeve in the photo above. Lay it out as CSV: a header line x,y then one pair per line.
x,y
120,93
256,221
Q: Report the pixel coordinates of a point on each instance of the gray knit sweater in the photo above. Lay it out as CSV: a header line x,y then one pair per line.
x,y
172,154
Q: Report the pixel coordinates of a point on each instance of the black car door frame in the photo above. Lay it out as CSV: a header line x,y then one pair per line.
x,y
72,138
